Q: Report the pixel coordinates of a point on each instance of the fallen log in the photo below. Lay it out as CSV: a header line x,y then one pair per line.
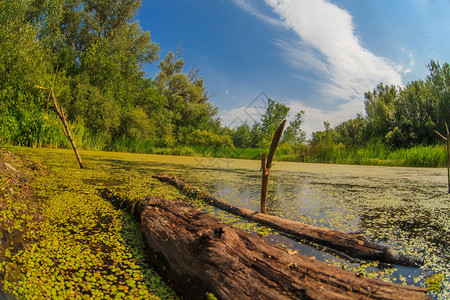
x,y
201,256
352,244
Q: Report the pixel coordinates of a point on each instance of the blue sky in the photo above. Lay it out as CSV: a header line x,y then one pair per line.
x,y
313,55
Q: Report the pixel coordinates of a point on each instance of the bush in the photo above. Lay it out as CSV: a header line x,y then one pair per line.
x,y
208,139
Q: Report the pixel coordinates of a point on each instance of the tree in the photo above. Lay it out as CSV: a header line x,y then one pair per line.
x,y
293,133
380,109
439,83
187,98
23,64
70,27
328,136
22,59
98,51
275,113
242,136
352,132
415,115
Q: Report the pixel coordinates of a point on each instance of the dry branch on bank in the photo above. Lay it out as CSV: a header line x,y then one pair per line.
x,y
355,245
201,255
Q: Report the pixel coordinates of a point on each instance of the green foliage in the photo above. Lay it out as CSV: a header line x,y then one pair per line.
x,y
380,105
96,52
242,136
22,59
275,113
186,97
208,139
352,132
293,133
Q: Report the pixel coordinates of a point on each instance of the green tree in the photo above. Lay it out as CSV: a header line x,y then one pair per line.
x,y
439,83
416,115
275,113
22,66
242,136
380,109
328,136
187,98
98,50
70,27
353,131
293,133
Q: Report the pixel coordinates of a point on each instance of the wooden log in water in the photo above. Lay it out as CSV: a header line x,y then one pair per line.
x,y
354,245
200,255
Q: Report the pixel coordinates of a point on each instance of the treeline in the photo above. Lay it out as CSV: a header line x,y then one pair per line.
x,y
398,116
93,54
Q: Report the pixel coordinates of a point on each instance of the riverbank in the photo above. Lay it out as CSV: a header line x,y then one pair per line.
x,y
376,154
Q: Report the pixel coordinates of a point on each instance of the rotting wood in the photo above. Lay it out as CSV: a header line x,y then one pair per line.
x,y
60,112
199,255
265,167
66,130
352,244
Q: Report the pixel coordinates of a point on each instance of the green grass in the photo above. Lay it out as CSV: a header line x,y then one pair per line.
x,y
372,154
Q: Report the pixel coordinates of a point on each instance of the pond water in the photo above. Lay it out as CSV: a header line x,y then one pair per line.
x,y
405,208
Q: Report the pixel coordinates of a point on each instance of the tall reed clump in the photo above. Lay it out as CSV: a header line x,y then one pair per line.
x,y
373,153
421,156
38,128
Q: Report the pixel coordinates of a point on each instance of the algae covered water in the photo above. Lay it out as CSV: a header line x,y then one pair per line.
x,y
405,208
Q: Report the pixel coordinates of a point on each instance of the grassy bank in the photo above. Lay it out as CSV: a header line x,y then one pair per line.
x,y
375,153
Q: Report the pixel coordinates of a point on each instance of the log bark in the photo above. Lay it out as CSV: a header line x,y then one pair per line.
x,y
352,244
201,255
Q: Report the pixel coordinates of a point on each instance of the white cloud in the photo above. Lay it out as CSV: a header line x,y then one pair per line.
x,y
412,63
328,48
227,92
250,7
328,45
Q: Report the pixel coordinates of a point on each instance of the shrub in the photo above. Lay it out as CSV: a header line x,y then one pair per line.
x,y
208,139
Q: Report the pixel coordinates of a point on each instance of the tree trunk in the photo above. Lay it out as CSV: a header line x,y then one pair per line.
x,y
200,255
355,245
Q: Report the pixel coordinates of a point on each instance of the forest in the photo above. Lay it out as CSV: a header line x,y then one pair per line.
x,y
93,54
